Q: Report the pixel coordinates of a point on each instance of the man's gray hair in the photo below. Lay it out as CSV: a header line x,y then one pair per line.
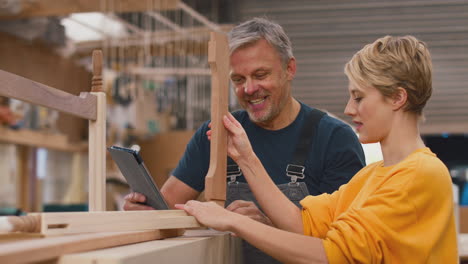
x,y
257,28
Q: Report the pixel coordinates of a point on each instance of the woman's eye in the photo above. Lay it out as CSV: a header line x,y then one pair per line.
x,y
358,99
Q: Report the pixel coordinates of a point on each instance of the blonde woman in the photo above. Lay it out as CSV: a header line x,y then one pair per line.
x,y
398,210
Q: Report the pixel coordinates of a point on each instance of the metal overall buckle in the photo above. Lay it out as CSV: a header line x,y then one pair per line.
x,y
233,171
295,172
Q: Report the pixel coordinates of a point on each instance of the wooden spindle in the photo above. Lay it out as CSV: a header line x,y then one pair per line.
x,y
96,83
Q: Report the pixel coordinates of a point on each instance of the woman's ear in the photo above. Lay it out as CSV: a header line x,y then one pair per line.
x,y
399,99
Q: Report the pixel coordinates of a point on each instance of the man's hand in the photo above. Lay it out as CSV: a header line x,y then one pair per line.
x,y
249,209
133,202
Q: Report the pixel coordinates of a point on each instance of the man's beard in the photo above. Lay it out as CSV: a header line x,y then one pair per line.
x,y
269,115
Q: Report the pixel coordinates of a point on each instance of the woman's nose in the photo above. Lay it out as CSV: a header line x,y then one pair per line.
x,y
350,109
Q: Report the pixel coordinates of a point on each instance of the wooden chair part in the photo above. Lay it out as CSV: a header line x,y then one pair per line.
x,y
97,141
218,58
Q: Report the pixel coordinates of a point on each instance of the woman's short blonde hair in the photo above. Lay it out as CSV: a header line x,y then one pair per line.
x,y
392,62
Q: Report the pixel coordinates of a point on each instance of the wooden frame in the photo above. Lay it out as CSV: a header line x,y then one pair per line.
x,y
90,106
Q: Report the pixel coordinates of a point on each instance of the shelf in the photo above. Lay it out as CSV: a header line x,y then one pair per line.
x,y
40,140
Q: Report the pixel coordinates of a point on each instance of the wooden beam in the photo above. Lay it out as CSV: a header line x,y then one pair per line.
x,y
40,8
85,222
14,86
97,142
218,58
50,248
93,222
158,71
40,140
82,222
196,35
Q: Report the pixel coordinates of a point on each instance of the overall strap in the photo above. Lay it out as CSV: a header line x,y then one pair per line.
x,y
233,171
296,168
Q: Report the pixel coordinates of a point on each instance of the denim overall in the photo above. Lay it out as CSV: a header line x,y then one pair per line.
x,y
295,190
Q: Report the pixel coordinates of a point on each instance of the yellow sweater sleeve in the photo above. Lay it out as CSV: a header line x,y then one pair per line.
x,y
318,213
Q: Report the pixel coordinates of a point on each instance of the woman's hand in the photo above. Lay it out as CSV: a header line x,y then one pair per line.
x,y
238,142
248,208
209,214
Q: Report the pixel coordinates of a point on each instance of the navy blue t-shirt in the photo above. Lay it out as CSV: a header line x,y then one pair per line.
x,y
335,157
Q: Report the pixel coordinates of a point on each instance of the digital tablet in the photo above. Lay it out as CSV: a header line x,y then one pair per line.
x,y
137,175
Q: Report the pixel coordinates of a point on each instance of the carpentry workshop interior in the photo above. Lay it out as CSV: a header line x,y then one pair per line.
x,y
80,76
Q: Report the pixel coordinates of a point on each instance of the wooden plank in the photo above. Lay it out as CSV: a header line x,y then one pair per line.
x,y
97,141
39,139
81,222
65,7
20,88
15,237
50,248
199,247
158,71
218,58
97,157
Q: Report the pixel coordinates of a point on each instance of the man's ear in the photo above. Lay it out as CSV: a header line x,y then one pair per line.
x,y
399,99
291,68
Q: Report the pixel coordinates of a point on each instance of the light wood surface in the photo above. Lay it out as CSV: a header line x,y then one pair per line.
x,y
66,7
14,86
195,247
218,58
97,157
81,222
50,248
97,141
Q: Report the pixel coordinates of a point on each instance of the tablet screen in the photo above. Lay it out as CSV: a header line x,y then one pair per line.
x,y
138,177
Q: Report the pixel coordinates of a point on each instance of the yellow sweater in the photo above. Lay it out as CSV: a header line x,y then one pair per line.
x,y
397,214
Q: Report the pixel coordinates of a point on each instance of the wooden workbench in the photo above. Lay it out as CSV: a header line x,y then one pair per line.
x,y
195,246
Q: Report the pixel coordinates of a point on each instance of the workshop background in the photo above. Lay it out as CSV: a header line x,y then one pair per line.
x,y
157,81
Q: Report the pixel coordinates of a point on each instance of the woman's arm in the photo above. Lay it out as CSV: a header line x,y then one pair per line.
x,y
285,246
266,192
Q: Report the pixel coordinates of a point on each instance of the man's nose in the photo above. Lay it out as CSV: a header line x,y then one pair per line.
x,y
250,87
